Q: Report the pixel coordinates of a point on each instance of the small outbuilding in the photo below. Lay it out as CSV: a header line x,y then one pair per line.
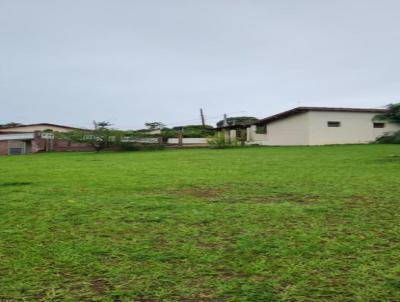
x,y
304,126
34,138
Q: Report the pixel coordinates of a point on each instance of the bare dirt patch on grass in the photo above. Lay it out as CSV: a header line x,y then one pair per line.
x,y
146,299
100,286
193,192
303,199
229,196
296,198
205,193
358,198
199,299
15,184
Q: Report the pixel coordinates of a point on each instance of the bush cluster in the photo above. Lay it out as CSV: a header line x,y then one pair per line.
x,y
188,131
139,146
389,138
218,141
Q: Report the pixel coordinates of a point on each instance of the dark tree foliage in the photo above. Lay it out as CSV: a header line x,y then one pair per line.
x,y
102,137
12,124
188,131
238,120
389,138
154,125
102,124
391,115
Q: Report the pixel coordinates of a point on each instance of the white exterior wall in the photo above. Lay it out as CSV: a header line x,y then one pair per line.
x,y
290,131
188,141
355,128
232,134
17,136
310,128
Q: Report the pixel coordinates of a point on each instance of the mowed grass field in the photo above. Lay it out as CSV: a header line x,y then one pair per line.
x,y
251,224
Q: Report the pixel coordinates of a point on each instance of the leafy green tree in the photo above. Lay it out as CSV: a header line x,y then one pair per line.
x,y
238,120
154,125
188,131
392,114
12,124
101,124
102,137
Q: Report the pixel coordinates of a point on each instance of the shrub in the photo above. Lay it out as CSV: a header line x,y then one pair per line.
x,y
238,120
389,138
140,147
392,114
188,131
218,141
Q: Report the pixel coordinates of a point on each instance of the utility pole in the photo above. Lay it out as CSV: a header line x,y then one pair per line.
x,y
203,120
180,137
227,132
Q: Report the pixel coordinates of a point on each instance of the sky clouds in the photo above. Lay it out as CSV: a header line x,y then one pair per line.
x,y
131,62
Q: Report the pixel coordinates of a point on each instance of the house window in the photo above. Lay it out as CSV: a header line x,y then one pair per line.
x,y
261,129
379,125
334,124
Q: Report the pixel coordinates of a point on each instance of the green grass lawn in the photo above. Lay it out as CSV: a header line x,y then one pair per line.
x,y
252,224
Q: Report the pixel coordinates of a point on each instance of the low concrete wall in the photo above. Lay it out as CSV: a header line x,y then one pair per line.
x,y
188,141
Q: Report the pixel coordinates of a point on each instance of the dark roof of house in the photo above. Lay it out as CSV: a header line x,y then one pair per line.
x,y
324,109
235,126
41,124
298,110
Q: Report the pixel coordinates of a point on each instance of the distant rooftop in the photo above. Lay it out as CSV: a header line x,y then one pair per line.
x,y
40,124
329,109
298,110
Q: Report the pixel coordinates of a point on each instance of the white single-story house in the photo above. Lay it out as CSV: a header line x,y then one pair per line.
x,y
31,128
23,139
313,126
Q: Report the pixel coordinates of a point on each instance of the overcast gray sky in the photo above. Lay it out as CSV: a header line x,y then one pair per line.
x,y
131,62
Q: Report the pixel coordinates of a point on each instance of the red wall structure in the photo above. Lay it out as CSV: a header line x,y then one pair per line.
x,y
3,147
38,144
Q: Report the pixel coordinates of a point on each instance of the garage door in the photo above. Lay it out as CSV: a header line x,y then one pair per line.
x,y
16,148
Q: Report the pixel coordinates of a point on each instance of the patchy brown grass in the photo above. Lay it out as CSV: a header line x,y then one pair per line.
x,y
15,184
99,286
297,198
205,193
146,299
213,194
210,245
158,226
195,192
199,299
285,197
359,198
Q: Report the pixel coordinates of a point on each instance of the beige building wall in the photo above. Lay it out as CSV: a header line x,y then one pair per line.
x,y
290,131
232,134
355,128
311,128
35,128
